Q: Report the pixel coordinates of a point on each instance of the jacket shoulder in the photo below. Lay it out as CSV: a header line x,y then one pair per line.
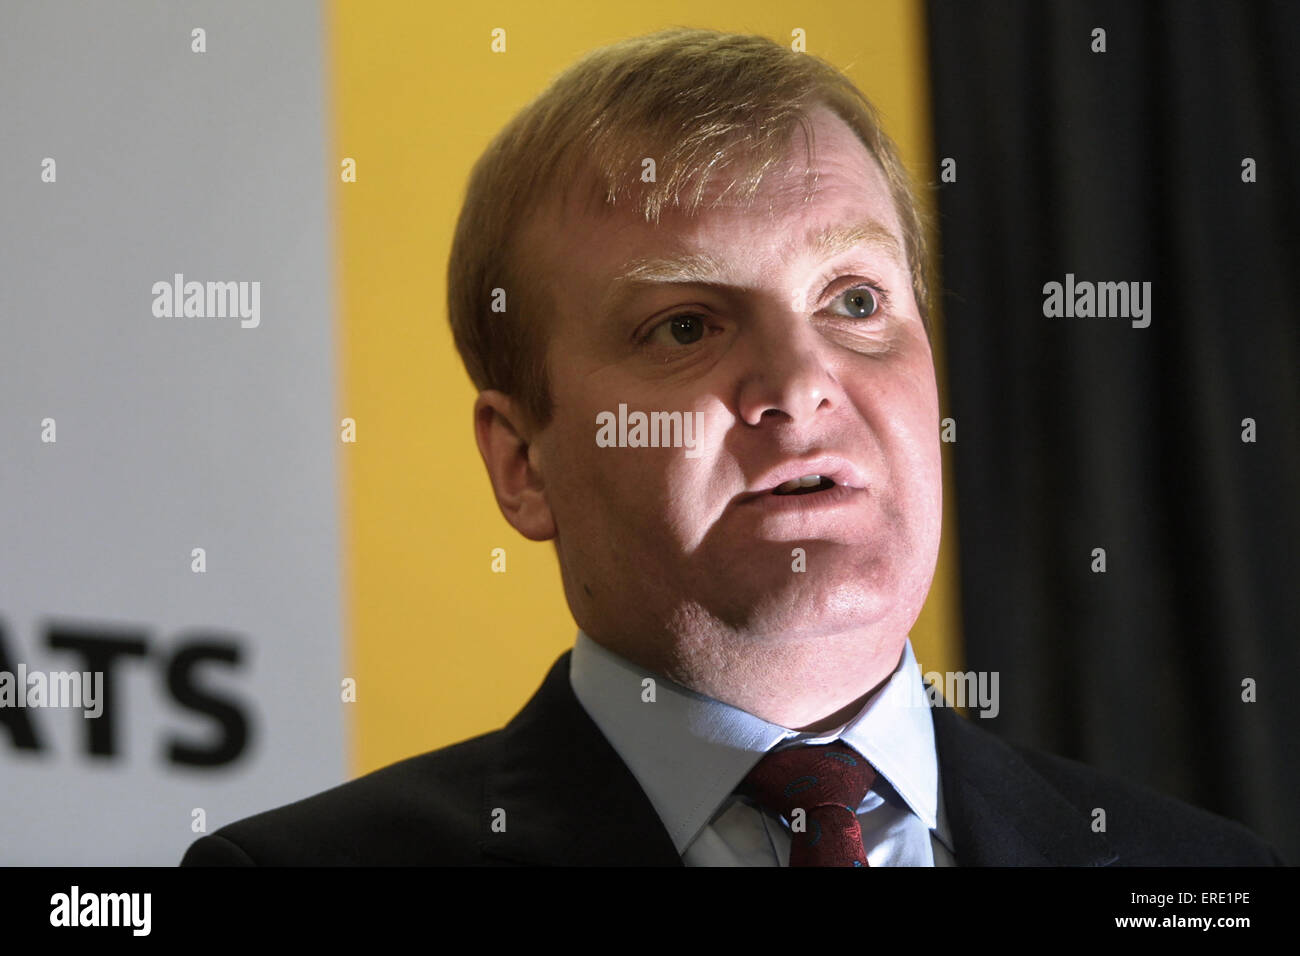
x,y
1148,828
424,810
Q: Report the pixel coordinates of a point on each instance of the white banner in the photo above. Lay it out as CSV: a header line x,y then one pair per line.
x,y
168,469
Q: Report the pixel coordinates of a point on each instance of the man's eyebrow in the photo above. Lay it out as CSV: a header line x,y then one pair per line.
x,y
699,267
690,267
834,240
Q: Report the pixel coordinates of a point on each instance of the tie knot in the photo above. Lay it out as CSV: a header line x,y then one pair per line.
x,y
810,776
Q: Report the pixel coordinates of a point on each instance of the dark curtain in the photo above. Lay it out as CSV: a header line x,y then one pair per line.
x,y
1077,433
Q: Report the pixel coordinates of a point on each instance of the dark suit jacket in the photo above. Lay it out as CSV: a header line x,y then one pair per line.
x,y
569,800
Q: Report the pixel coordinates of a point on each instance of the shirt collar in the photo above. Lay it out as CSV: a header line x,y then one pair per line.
x,y
689,752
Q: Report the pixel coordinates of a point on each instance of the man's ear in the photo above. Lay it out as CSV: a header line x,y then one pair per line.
x,y
504,440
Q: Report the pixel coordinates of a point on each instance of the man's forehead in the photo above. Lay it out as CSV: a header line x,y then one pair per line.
x,y
684,264
576,229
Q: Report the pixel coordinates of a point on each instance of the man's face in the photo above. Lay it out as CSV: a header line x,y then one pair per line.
x,y
793,351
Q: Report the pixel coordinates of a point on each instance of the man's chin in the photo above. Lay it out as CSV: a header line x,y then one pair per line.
x,y
806,608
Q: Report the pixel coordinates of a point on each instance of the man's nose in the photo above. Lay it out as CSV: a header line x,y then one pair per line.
x,y
785,368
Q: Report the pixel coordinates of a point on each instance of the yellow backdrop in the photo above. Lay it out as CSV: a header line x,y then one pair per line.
x,y
416,95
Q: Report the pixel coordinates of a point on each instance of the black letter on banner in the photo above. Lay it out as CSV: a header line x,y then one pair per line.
x,y
98,653
226,713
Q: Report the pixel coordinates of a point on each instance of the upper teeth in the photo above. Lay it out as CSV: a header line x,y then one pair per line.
x,y
807,481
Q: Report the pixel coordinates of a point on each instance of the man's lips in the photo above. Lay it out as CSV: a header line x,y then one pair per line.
x,y
845,475
830,498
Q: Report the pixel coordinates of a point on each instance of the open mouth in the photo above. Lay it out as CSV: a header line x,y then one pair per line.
x,y
808,485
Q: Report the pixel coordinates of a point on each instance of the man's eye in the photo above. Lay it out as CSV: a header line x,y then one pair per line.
x,y
861,302
679,330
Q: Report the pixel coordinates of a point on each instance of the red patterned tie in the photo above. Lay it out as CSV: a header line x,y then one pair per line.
x,y
827,782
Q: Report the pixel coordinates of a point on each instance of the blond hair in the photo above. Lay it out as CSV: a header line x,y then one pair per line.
x,y
713,107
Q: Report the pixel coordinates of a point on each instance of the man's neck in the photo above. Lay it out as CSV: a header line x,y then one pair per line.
x,y
806,684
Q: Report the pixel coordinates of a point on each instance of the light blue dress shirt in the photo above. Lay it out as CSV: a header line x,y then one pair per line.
x,y
690,752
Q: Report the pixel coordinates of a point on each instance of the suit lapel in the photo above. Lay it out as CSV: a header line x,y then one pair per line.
x,y
568,797
1001,811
